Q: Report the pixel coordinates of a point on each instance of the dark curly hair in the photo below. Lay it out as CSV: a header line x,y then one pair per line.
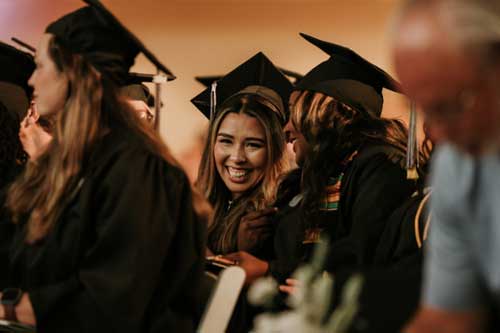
x,y
334,131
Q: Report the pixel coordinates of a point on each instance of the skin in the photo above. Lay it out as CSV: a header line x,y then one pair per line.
x,y
298,141
253,266
142,110
457,96
460,106
50,86
240,152
34,138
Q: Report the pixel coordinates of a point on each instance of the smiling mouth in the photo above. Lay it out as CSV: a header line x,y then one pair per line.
x,y
237,174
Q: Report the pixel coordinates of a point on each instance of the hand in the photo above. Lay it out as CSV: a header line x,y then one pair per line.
x,y
290,287
253,267
254,228
34,138
24,311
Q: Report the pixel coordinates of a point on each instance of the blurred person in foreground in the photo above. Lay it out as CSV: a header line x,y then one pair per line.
x,y
447,55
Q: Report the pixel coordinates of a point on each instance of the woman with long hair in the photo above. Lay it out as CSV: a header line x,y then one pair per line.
x,y
352,167
104,215
244,155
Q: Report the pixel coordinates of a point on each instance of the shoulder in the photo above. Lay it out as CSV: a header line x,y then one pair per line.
x,y
378,161
120,156
380,153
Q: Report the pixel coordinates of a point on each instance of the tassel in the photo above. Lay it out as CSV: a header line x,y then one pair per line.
x,y
412,147
213,99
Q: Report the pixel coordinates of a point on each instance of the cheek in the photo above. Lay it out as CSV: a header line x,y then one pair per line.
x,y
259,158
220,155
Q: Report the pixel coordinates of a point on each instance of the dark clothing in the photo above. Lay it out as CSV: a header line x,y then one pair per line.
x,y
373,185
126,255
7,231
391,289
10,167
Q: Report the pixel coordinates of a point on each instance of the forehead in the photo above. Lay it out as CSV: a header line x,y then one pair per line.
x,y
427,62
241,124
43,47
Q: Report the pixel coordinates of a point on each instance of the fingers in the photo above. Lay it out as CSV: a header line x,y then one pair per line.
x,y
236,256
292,282
222,260
287,289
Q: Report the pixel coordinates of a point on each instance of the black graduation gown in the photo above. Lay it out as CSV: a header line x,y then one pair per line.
x,y
391,289
126,255
9,170
374,184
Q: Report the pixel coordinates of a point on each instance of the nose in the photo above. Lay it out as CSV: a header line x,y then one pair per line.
x,y
288,127
31,81
237,154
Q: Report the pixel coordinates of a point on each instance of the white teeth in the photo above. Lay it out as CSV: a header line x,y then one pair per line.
x,y
237,173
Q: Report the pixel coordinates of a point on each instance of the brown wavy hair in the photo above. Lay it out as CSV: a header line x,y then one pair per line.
x,y
222,232
93,107
334,131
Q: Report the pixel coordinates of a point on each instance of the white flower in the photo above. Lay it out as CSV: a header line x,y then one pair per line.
x,y
262,291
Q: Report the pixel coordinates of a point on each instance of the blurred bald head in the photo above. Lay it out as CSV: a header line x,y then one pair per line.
x,y
447,56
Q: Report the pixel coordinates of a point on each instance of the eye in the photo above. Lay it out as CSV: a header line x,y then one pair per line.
x,y
255,145
224,141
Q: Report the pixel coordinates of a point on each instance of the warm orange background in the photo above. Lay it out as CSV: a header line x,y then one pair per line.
x,y
205,37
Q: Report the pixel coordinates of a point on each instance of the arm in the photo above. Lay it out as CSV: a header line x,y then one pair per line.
x,y
372,190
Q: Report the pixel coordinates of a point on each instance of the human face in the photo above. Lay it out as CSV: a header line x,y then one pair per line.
x,y
50,86
142,110
458,99
240,152
300,145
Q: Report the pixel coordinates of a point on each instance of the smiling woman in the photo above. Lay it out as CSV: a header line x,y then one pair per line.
x,y
242,163
244,156
240,152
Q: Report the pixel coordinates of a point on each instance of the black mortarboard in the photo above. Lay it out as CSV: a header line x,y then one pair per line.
x,y
348,77
208,80
102,40
256,76
16,68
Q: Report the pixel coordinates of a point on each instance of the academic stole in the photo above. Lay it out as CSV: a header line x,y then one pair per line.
x,y
329,202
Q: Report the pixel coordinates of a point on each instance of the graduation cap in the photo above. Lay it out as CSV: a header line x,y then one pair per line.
x,y
257,76
16,68
208,80
96,34
348,77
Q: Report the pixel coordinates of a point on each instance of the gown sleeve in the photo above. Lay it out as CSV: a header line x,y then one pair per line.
x,y
373,190
133,267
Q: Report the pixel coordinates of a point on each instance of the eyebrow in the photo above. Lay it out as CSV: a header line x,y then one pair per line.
x,y
229,136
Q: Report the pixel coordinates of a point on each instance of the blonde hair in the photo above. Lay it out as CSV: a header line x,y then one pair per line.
x,y
93,106
222,232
